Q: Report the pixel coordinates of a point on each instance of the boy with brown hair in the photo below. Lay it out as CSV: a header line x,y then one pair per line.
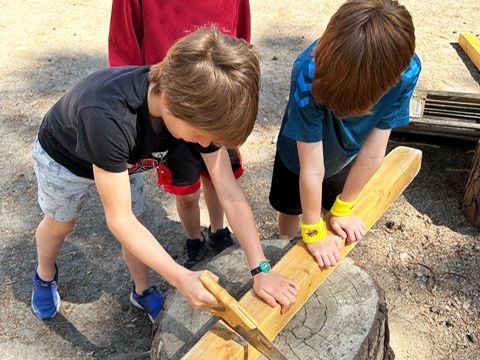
x,y
118,122
140,34
348,90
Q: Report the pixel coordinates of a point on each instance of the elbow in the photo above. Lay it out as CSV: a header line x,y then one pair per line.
x,y
116,223
317,171
112,224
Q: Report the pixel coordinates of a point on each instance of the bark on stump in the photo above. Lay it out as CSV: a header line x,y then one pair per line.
x,y
471,198
345,319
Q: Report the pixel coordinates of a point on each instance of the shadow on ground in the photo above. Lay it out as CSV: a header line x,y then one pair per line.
x,y
95,318
467,61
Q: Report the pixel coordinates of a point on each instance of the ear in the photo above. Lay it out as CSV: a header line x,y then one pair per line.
x,y
164,103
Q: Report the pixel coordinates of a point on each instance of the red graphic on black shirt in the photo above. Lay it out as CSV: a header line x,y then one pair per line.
x,y
154,161
143,165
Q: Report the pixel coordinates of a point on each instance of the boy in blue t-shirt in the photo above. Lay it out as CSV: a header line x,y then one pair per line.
x,y
348,90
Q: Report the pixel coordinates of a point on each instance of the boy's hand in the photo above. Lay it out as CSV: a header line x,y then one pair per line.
x,y
196,294
275,289
350,228
326,252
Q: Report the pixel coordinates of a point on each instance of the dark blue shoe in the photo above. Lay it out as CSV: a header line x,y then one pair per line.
x,y
220,239
45,298
151,301
196,252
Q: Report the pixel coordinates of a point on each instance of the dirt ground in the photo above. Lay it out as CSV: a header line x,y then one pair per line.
x,y
422,252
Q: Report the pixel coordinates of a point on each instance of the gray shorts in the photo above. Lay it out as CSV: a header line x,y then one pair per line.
x,y
61,193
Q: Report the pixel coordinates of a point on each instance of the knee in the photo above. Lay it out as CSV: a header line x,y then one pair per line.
x,y
57,228
189,200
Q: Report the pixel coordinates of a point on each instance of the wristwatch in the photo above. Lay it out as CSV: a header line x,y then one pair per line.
x,y
263,267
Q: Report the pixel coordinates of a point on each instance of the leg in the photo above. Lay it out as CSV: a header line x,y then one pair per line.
x,y
138,270
215,210
180,175
288,225
285,198
143,296
61,195
189,213
49,236
220,237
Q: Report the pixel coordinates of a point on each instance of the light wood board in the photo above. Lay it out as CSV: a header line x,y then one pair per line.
x,y
471,45
398,169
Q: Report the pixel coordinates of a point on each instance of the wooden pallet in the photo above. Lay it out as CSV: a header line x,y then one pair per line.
x,y
446,114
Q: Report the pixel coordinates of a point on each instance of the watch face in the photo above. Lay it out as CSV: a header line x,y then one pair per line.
x,y
265,266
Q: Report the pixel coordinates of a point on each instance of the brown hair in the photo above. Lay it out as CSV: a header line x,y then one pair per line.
x,y
365,49
211,81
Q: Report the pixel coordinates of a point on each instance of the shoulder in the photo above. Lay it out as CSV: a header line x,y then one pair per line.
x,y
411,74
302,77
408,80
114,89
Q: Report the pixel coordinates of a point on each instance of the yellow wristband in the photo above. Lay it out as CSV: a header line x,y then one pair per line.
x,y
313,233
342,208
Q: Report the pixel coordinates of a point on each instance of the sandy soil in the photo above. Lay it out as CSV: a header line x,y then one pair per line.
x,y
422,252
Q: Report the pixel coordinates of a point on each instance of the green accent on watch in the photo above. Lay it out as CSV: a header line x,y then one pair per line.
x,y
263,267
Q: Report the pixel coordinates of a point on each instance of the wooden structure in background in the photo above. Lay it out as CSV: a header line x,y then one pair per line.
x,y
446,114
397,171
471,45
471,198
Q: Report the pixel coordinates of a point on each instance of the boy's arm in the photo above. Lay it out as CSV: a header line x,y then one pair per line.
x,y
271,287
368,160
114,191
312,171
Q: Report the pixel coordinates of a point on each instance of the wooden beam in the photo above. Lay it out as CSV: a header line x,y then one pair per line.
x,y
398,169
471,45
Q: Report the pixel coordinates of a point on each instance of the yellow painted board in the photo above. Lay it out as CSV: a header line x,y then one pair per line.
x,y
398,169
471,45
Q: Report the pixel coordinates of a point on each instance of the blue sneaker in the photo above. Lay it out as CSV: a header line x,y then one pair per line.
x,y
45,298
151,301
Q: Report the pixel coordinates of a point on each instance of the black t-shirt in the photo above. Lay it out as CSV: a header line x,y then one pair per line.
x,y
104,120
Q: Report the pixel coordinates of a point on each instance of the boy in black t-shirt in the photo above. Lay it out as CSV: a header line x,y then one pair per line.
x,y
118,122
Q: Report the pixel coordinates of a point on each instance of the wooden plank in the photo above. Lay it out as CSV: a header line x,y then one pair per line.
x,y
461,134
454,104
397,171
446,123
471,45
461,117
450,95
470,109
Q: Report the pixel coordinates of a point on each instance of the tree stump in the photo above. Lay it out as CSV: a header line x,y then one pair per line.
x,y
345,319
471,198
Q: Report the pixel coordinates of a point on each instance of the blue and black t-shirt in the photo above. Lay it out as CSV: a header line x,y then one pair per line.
x,y
308,121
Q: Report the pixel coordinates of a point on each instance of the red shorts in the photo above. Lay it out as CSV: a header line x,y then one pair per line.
x,y
181,171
